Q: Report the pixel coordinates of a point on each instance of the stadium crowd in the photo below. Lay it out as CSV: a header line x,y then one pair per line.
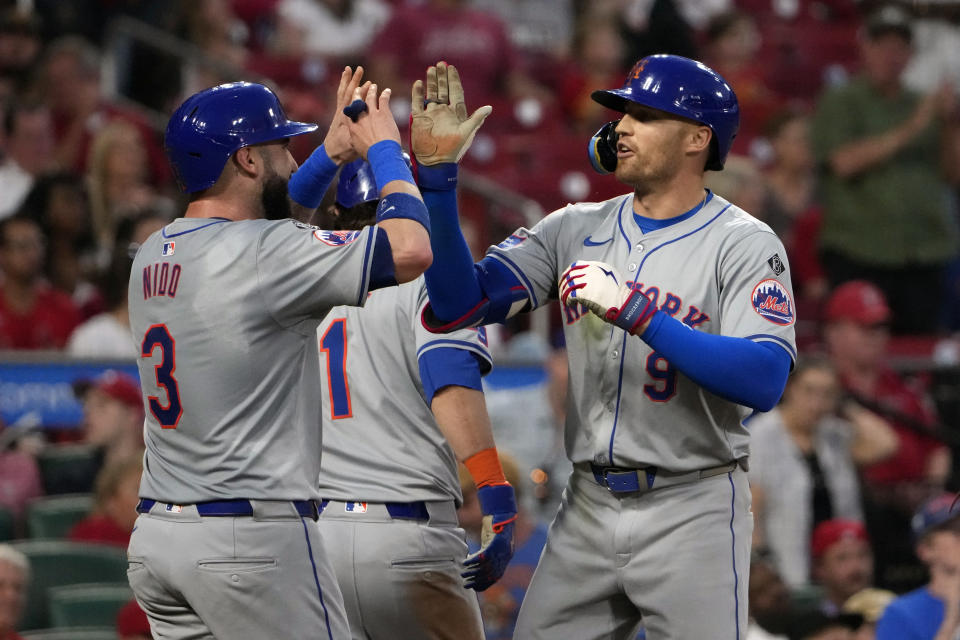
x,y
849,148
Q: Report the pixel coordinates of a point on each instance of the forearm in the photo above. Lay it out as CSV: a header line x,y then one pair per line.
x,y
461,414
856,157
874,440
452,282
737,369
401,212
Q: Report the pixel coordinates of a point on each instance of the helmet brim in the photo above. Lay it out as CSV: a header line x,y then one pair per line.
x,y
615,99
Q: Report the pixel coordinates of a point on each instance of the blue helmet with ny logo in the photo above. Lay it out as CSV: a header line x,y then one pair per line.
x,y
685,88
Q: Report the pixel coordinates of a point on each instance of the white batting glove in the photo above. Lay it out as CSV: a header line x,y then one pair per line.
x,y
598,287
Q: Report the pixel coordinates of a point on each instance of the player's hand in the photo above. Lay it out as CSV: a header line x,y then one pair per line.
x,y
337,141
375,123
440,130
499,506
598,286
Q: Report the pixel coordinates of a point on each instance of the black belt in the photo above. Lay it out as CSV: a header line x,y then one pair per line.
x,y
401,510
619,480
225,508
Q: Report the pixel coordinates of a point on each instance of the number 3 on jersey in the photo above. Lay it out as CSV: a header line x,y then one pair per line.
x,y
334,345
158,336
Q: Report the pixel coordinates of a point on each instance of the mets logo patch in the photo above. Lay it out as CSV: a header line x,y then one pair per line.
x,y
336,238
168,248
513,240
772,301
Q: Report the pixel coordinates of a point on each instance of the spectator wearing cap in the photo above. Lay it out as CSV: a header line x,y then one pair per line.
x,y
113,414
115,509
14,578
132,623
842,561
856,335
803,464
888,156
931,612
869,603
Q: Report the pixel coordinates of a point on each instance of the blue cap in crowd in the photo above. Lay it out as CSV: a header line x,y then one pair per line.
x,y
935,514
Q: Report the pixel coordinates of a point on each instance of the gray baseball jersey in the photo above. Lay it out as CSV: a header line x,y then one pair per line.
x,y
381,441
720,271
382,445
676,551
225,314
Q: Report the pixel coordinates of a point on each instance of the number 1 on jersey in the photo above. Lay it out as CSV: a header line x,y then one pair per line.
x,y
334,344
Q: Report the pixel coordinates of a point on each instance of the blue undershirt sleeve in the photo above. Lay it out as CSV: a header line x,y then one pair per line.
x,y
750,373
445,366
452,282
381,266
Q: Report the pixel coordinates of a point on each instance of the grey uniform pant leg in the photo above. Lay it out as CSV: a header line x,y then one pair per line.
x,y
234,578
677,556
400,578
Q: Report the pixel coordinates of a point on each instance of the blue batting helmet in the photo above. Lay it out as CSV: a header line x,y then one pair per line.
x,y
213,124
685,88
357,185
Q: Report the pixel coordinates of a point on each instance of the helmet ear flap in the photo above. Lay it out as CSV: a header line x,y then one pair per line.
x,y
602,148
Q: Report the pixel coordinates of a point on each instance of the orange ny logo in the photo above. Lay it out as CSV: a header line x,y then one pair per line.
x,y
638,69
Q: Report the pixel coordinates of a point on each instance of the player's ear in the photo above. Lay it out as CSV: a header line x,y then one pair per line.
x,y
699,139
247,162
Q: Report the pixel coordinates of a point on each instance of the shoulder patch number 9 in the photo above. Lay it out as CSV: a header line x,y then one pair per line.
x,y
158,336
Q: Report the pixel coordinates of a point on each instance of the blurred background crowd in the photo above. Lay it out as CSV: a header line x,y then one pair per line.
x,y
849,148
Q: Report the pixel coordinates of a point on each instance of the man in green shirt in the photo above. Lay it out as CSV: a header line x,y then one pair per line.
x,y
887,156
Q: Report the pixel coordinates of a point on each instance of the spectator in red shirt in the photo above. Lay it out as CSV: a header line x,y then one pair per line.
x,y
14,576
115,509
33,315
857,320
418,35
70,82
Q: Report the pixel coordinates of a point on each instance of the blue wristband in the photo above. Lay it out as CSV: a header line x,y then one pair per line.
x,y
438,177
387,163
403,205
310,182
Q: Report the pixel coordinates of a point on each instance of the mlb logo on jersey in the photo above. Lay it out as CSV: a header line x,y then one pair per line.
x,y
174,508
772,301
355,507
336,238
168,248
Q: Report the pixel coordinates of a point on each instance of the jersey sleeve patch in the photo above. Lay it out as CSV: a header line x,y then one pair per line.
x,y
336,238
776,264
514,239
772,301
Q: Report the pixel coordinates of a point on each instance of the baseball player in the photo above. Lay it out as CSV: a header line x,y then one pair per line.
x,y
404,406
678,318
225,305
